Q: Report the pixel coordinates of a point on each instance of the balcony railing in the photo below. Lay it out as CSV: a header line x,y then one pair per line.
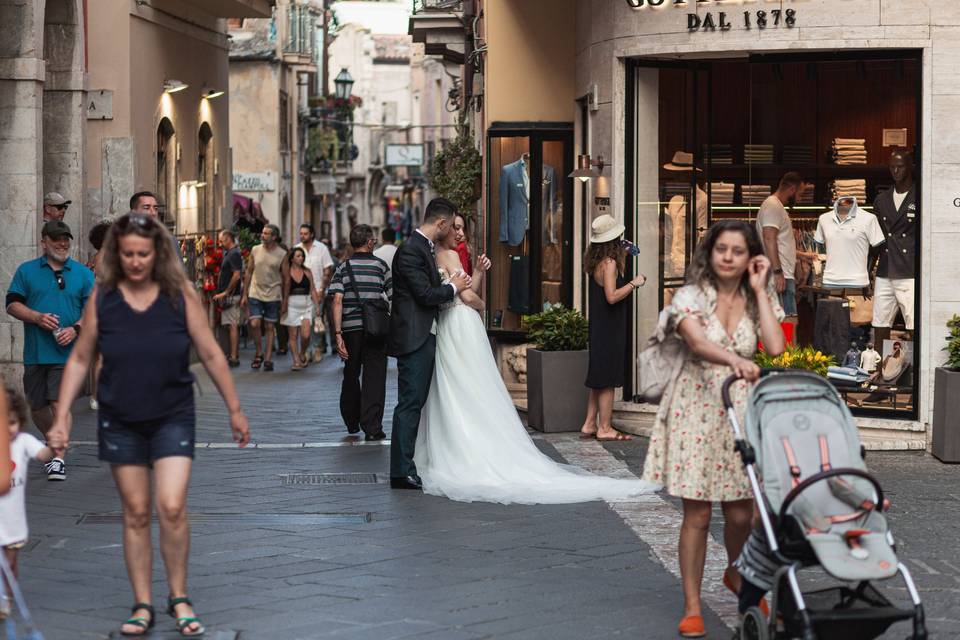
x,y
446,6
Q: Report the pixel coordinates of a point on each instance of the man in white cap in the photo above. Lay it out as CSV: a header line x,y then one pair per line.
x,y
54,206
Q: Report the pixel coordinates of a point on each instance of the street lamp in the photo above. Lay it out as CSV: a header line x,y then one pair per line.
x,y
343,83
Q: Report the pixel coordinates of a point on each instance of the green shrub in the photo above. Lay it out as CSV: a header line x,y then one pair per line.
x,y
557,328
953,343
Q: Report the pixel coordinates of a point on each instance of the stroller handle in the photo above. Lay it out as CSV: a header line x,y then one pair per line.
x,y
823,475
725,389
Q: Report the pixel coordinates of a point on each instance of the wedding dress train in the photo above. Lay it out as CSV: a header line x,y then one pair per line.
x,y
471,445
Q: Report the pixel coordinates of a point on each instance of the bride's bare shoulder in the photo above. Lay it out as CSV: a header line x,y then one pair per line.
x,y
448,256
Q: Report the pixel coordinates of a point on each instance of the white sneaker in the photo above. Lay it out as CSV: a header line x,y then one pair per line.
x,y
93,404
4,607
56,469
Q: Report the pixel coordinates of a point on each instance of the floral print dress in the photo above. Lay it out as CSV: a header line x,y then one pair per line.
x,y
691,448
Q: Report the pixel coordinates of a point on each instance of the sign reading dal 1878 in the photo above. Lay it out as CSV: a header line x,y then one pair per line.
x,y
721,20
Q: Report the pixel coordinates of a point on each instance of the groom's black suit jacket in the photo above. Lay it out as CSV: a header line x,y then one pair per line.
x,y
417,295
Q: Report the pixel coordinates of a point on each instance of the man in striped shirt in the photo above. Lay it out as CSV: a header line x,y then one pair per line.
x,y
361,402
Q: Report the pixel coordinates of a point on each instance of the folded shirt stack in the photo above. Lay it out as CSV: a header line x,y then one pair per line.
x,y
847,374
797,154
722,192
758,154
755,193
856,187
849,151
808,195
718,153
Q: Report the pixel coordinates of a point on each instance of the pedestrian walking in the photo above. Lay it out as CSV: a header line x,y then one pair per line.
x,y
145,202
47,294
728,303
609,295
300,298
13,506
388,246
145,315
5,466
321,266
263,293
361,278
227,296
54,207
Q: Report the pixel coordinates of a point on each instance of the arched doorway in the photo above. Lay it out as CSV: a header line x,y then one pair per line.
x,y
64,108
206,188
167,172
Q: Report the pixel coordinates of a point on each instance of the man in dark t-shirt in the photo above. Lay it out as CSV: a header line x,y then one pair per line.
x,y
228,292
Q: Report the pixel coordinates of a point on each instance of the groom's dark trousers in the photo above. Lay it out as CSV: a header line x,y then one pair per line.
x,y
415,373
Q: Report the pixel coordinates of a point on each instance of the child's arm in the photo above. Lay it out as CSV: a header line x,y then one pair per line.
x,y
45,454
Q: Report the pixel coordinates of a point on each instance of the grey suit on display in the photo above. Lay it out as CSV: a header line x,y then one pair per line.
x,y
515,200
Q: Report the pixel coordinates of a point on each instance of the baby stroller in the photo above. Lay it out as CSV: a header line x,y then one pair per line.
x,y
819,508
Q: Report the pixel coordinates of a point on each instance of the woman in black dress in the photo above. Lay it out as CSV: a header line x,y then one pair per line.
x,y
609,292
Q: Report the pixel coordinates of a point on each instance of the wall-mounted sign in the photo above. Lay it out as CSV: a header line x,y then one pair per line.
x,y
100,105
723,20
894,137
404,155
263,181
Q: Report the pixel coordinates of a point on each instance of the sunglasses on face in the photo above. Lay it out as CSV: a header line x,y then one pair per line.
x,y
61,206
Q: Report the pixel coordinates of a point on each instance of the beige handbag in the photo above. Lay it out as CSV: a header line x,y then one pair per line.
x,y
861,310
659,361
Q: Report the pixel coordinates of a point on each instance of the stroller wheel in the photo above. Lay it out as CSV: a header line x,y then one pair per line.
x,y
754,625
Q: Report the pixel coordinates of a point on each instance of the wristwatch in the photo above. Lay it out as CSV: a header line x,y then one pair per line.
x,y
778,271
76,329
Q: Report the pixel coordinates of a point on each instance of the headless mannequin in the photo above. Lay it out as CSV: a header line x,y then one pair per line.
x,y
901,170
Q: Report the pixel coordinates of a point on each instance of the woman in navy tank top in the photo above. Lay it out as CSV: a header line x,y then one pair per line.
x,y
142,319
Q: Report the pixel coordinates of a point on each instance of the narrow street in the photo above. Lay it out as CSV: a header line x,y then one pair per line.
x,y
299,536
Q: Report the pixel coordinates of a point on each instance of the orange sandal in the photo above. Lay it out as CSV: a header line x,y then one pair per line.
x,y
692,627
764,607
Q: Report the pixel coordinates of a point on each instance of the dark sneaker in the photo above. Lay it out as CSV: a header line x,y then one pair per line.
x,y
56,469
233,363
268,365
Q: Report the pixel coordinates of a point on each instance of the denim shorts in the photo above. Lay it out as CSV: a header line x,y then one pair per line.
x,y
269,311
124,442
788,299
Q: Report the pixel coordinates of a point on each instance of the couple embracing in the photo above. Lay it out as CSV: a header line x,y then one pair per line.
x,y
456,432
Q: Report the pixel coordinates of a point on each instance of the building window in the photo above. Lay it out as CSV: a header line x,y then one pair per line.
x,y
284,121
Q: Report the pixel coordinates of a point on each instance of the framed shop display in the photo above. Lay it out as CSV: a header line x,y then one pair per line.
x,y
710,139
529,225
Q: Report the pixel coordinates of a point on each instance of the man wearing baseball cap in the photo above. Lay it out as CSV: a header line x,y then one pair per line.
x,y
48,294
54,206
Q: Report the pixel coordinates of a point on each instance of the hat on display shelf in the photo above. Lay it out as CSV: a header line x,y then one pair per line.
x,y
682,161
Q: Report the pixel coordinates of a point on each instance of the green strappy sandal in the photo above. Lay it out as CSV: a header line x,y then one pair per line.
x,y
183,623
144,624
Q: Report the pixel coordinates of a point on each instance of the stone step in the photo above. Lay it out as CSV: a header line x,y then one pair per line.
x,y
876,434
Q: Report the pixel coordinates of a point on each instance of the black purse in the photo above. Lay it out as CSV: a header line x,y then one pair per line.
x,y
375,314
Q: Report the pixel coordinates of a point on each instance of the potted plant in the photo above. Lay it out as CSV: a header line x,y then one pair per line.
x,y
455,172
556,369
946,399
794,357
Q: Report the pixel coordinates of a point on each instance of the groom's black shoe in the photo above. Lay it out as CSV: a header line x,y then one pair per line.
x,y
374,437
409,482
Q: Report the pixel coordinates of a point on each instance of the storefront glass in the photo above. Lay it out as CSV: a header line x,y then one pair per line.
x,y
529,241
729,131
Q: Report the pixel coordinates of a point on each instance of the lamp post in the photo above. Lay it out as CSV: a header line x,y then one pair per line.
x,y
344,84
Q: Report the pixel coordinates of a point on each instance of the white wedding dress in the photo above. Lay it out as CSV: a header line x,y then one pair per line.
x,y
471,445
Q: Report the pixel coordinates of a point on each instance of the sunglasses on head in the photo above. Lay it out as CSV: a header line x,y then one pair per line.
x,y
140,220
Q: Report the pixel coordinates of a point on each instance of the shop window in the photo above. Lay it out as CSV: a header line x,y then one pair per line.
x,y
530,234
729,130
205,177
166,174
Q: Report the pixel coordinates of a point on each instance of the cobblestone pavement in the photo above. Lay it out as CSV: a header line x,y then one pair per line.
x,y
277,554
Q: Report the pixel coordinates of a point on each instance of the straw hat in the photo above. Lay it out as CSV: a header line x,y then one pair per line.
x,y
605,228
682,161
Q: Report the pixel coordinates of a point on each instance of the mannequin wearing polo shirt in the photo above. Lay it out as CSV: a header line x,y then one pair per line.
x,y
898,213
849,234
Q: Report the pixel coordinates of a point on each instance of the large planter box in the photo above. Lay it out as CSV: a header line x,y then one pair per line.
x,y
557,399
946,415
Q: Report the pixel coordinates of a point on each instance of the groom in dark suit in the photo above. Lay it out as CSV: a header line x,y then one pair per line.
x,y
417,295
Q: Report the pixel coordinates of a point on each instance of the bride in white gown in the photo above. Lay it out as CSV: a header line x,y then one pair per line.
x,y
471,445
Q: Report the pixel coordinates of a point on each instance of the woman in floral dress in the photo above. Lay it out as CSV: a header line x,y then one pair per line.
x,y
726,305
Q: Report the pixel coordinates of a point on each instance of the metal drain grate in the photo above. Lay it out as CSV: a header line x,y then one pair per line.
x,y
158,634
252,519
327,478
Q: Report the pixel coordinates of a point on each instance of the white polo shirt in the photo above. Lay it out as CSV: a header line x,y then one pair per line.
x,y
318,259
848,245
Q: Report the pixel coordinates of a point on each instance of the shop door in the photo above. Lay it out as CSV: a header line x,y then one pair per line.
x,y
668,183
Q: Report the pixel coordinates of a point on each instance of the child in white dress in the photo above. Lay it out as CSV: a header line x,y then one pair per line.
x,y
13,507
